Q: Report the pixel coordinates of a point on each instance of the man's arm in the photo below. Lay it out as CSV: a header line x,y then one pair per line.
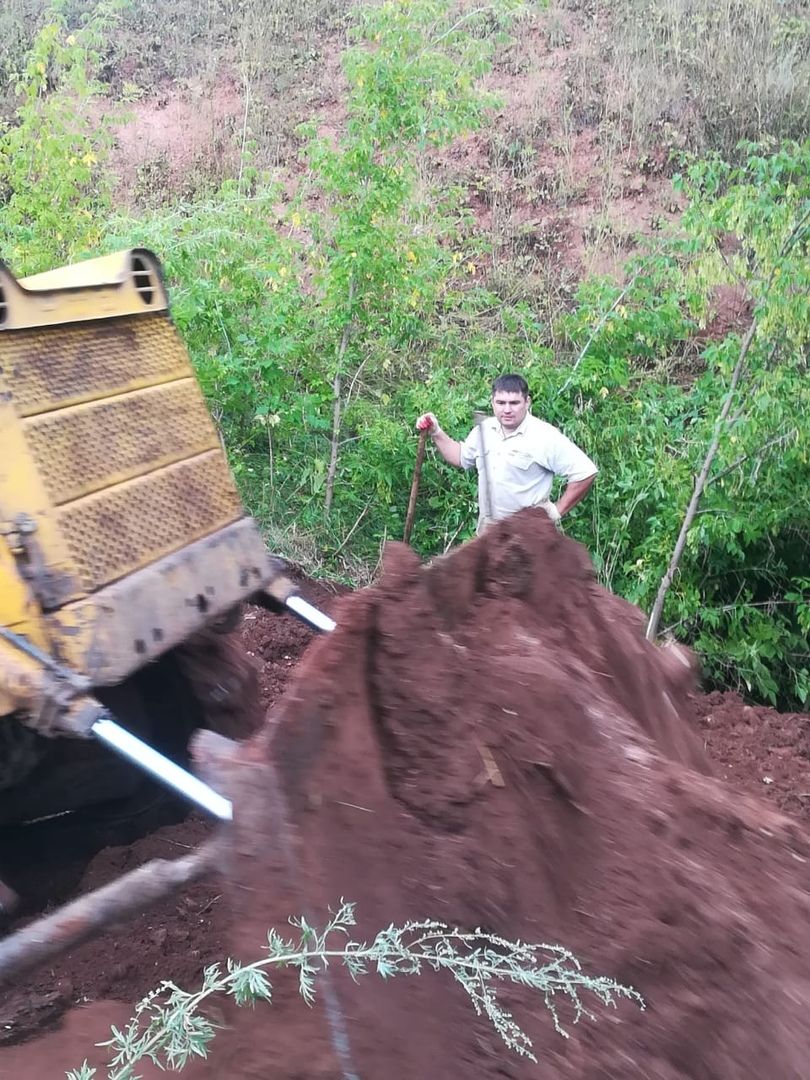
x,y
447,447
565,459
575,491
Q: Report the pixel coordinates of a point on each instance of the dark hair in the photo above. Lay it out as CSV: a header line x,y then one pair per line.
x,y
510,384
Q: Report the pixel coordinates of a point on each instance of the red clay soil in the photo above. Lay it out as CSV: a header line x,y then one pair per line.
x,y
503,663
760,750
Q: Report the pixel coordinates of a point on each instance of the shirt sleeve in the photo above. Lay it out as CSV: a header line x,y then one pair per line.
x,y
564,458
469,450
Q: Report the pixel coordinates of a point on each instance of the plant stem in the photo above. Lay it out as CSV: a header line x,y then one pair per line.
x,y
352,530
337,385
700,484
271,458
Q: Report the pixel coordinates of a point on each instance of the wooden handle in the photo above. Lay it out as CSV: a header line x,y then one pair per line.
x,y
417,473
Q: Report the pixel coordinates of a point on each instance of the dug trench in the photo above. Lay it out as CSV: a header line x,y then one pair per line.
x,y
489,741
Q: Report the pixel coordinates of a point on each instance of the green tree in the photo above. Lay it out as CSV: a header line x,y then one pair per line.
x,y
53,156
378,260
755,446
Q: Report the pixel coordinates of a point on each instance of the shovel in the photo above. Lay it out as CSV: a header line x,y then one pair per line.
x,y
417,474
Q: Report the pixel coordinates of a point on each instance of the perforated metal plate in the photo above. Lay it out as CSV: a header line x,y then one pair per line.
x,y
87,447
50,368
120,529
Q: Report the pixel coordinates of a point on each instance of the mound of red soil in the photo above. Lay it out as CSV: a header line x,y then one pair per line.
x,y
489,741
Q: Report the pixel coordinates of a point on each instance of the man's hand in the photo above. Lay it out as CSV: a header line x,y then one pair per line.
x,y
552,512
428,422
447,447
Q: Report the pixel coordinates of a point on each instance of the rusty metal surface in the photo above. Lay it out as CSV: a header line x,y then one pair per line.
x,y
123,283
32,550
121,529
118,629
57,366
82,449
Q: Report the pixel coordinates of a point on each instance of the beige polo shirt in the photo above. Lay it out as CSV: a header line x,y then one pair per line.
x,y
522,464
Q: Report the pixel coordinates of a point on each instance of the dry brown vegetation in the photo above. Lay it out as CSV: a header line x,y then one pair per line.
x,y
599,97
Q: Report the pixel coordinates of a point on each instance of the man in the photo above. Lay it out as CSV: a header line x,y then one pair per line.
x,y
521,456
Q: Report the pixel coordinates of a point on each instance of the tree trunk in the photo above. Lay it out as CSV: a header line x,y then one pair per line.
x,y
700,484
337,388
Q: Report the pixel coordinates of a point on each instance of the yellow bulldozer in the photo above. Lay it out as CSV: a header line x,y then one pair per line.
x,y
125,552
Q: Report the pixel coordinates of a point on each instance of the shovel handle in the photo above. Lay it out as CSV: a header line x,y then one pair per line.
x,y
417,473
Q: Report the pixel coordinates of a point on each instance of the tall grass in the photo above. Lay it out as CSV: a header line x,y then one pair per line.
x,y
706,75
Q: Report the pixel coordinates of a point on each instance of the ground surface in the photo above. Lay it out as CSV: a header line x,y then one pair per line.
x,y
50,1021
180,937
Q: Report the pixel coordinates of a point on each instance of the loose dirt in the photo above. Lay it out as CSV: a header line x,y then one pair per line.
x,y
489,741
760,750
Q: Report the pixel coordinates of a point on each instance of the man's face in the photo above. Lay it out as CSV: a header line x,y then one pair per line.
x,y
510,408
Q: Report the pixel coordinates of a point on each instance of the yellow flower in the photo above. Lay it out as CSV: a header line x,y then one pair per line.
x,y
603,393
89,158
411,257
470,268
283,272
295,219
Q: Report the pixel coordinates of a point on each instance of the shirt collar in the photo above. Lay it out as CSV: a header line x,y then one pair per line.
x,y
495,425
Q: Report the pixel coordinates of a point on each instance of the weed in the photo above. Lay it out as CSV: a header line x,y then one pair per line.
x,y
169,1029
512,150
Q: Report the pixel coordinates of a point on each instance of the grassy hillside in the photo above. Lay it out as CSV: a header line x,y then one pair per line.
x,y
367,213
